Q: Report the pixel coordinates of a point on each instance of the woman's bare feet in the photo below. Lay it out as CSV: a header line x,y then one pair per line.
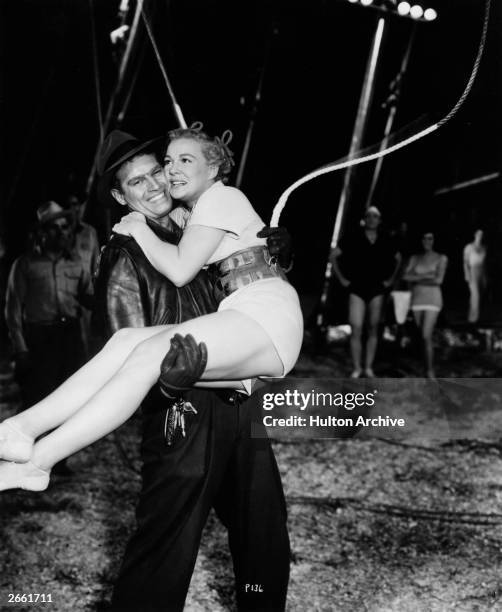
x,y
22,476
14,444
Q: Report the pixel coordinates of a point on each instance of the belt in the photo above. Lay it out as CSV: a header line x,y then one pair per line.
x,y
241,269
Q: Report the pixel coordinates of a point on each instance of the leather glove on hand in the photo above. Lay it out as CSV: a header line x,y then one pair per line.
x,y
279,244
183,365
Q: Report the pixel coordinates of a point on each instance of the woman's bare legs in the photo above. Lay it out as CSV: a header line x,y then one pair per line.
x,y
357,312
374,315
18,432
237,348
426,322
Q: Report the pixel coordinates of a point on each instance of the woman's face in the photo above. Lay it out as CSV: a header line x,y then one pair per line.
x,y
187,170
478,235
371,220
428,242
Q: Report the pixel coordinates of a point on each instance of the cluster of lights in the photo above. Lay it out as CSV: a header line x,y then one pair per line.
x,y
405,9
415,11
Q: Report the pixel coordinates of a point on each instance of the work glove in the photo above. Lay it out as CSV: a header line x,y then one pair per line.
x,y
279,244
183,365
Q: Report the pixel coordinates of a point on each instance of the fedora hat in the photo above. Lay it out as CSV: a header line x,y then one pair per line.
x,y
49,211
117,148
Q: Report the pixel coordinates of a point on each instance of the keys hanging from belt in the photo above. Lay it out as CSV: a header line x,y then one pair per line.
x,y
175,419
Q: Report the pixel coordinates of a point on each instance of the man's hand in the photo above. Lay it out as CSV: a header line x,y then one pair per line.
x,y
279,244
183,365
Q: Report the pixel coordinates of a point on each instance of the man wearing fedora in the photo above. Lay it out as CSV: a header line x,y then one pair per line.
x,y
47,288
218,464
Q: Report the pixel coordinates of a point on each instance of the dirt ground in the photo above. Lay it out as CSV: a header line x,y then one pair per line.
x,y
376,524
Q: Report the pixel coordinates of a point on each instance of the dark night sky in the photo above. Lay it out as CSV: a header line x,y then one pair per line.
x,y
214,50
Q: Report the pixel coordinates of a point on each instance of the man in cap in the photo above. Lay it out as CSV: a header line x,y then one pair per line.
x,y
46,290
218,464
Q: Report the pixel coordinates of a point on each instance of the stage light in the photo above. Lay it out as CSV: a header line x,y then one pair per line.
x,y
366,2
430,14
353,1
416,11
403,8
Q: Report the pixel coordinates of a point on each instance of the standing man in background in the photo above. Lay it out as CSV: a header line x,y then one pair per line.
x,y
47,289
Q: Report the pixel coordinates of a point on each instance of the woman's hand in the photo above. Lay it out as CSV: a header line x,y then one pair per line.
x,y
129,224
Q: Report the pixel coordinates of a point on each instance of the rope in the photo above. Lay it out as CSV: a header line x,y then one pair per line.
x,y
118,87
96,70
399,145
466,518
177,108
121,114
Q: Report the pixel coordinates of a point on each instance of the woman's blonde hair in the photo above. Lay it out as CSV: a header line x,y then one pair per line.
x,y
215,150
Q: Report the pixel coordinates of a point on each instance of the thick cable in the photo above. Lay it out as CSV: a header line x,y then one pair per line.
x,y
481,519
399,145
118,87
176,106
97,85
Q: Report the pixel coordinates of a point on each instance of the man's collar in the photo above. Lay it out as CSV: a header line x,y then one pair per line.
x,y
164,231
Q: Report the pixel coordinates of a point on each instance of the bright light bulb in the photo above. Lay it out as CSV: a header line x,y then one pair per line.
x,y
416,11
366,2
403,8
430,14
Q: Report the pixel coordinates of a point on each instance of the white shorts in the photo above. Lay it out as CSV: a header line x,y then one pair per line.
x,y
274,305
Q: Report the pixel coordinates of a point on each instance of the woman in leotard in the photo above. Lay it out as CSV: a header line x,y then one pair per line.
x,y
369,263
475,273
425,271
257,330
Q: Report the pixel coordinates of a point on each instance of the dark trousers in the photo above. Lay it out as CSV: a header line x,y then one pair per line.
x,y
56,352
217,465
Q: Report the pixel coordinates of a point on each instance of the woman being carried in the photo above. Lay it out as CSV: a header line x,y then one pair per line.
x,y
257,330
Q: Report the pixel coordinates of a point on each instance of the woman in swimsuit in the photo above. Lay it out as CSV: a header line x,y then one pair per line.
x,y
257,330
475,273
369,263
426,272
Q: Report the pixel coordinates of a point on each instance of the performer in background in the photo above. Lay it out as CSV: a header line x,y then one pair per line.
x,y
366,263
475,273
425,271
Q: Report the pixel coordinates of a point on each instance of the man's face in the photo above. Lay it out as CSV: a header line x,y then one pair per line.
x,y
143,187
58,234
371,220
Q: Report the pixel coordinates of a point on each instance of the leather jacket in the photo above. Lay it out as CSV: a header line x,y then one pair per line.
x,y
129,292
